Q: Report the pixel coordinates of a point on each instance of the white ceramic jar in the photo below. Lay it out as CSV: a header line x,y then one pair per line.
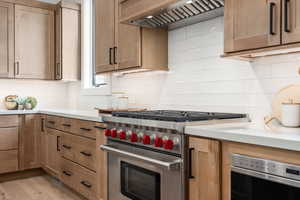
x,y
290,114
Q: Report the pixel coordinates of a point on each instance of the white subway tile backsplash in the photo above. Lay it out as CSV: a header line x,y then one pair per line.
x,y
199,79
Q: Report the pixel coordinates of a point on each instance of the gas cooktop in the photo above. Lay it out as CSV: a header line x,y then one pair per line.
x,y
177,116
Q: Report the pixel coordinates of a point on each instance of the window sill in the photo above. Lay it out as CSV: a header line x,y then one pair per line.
x,y
103,91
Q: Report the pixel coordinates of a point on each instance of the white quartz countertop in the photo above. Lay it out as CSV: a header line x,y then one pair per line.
x,y
90,115
272,136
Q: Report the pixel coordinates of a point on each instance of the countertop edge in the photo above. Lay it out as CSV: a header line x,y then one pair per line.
x,y
274,142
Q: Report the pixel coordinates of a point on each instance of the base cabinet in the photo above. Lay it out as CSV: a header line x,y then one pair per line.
x,y
30,144
52,149
204,175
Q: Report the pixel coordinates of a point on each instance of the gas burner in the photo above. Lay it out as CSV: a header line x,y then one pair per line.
x,y
177,116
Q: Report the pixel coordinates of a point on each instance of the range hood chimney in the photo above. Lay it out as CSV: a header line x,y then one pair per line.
x,y
182,13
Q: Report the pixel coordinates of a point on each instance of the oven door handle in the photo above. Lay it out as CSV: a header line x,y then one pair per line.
x,y
265,176
169,165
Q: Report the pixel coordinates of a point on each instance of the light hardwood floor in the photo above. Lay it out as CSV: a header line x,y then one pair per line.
x,y
36,188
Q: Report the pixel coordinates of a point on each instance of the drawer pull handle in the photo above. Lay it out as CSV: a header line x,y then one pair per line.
x,y
51,122
99,127
86,154
85,129
66,146
66,125
67,173
86,184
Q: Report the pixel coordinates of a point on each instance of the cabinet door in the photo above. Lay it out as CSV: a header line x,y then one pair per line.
x,y
6,40
34,42
30,142
104,35
129,46
204,179
52,142
251,24
291,21
68,52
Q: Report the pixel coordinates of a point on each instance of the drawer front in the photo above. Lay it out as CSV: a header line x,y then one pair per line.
x,y
9,121
84,128
80,150
80,179
9,138
53,122
9,161
67,124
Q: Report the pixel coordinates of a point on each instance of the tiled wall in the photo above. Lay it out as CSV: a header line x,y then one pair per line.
x,y
200,80
50,94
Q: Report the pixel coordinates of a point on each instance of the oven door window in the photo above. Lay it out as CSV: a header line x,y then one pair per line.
x,y
138,183
244,187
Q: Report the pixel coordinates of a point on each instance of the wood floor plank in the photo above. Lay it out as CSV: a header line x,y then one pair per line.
x,y
36,188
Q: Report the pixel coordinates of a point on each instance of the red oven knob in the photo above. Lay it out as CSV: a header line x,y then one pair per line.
x,y
107,132
146,140
158,142
133,137
122,135
114,133
168,144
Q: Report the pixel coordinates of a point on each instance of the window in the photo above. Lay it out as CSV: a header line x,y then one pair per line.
x,y
92,84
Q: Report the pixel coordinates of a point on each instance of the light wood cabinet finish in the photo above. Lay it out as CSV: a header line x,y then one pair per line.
x,y
80,150
52,151
9,161
134,9
105,35
248,24
80,179
229,148
34,43
205,180
101,166
68,52
6,40
30,142
290,21
9,121
126,46
9,138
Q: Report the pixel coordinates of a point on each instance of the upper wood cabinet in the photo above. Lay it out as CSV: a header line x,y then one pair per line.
x,y
68,52
251,24
204,174
123,47
290,21
105,35
34,43
30,143
258,28
6,40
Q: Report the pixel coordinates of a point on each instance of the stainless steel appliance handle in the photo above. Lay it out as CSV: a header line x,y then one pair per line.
x,y
265,176
169,165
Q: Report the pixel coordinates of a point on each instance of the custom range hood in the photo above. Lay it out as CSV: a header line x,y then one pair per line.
x,y
180,13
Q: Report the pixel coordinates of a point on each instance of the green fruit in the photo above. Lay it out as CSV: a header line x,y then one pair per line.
x,y
32,101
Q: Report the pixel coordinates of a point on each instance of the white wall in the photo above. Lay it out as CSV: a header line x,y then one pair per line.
x,y
49,94
200,80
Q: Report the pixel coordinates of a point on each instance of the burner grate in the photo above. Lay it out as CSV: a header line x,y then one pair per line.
x,y
177,116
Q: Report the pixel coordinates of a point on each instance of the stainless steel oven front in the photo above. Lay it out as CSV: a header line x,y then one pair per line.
x,y
142,174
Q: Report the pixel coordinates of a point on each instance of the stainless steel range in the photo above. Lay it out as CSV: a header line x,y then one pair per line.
x,y
147,152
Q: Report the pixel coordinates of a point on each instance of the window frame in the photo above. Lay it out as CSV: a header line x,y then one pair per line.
x,y
88,87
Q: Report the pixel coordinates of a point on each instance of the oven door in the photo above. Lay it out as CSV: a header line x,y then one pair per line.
x,y
139,174
252,185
